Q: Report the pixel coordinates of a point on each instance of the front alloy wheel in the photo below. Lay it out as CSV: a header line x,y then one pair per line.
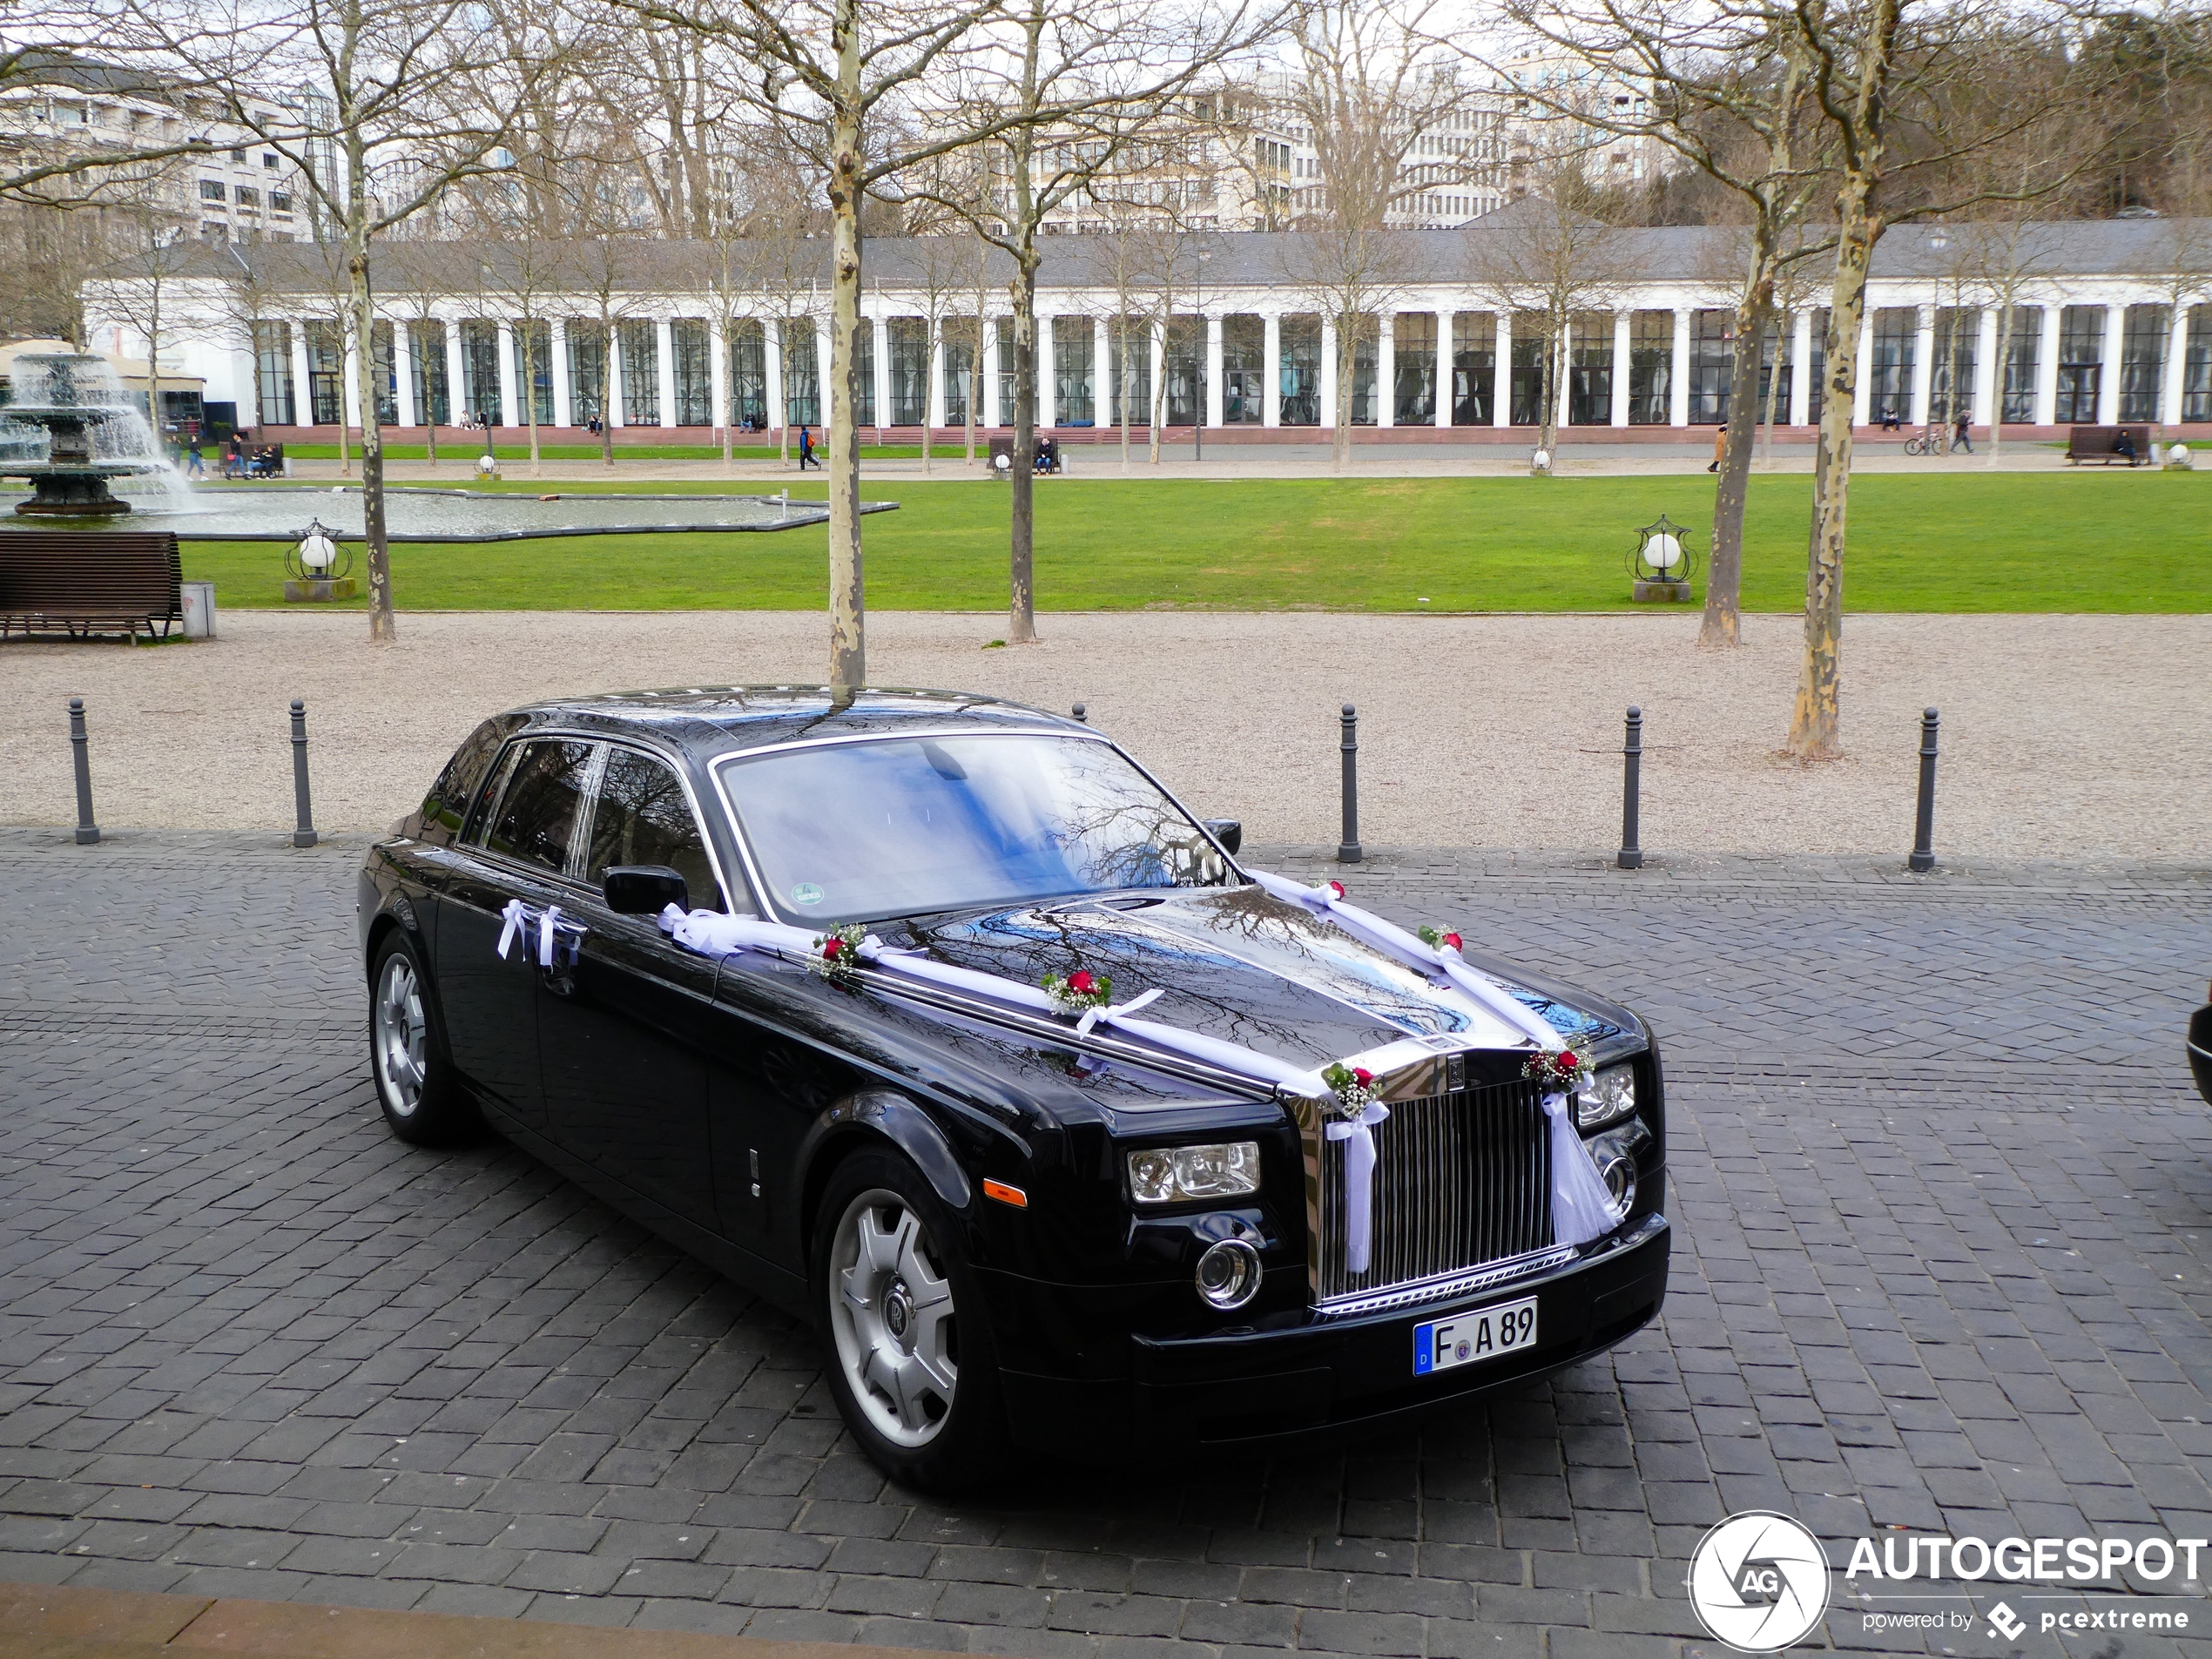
x,y
897,1340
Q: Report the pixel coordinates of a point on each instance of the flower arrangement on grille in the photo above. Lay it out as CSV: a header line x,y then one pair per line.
x,y
1557,1071
1354,1087
837,953
1079,992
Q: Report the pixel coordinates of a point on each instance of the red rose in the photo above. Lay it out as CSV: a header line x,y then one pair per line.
x,y
1453,940
832,948
1566,1060
1081,982
1361,1076
1336,889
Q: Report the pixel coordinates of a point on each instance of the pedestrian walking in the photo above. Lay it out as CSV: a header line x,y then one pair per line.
x,y
1962,432
806,449
195,466
1720,449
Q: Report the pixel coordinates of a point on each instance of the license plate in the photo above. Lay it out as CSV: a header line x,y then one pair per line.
x,y
1466,1338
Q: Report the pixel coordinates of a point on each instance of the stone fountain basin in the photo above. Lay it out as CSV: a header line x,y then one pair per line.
x,y
25,468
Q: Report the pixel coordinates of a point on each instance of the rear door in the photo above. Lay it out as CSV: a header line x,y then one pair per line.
x,y
630,1032
518,849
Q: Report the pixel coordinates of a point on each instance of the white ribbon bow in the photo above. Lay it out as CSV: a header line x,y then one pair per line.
x,y
545,935
518,921
1356,1133
1582,1203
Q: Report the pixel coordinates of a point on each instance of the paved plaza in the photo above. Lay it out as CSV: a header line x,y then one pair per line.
x,y
1943,1261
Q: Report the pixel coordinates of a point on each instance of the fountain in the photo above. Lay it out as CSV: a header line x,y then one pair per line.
x,y
74,397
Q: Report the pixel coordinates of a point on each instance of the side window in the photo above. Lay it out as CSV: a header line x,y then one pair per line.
x,y
642,817
447,805
537,808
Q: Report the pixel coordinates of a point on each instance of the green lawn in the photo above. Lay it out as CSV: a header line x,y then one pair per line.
x,y
2066,541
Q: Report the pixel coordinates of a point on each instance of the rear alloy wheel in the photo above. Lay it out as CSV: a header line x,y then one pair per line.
x,y
911,1361
406,1051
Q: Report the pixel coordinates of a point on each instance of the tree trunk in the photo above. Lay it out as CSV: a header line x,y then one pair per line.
x,y
1347,355
1123,387
383,629
607,389
1554,388
529,391
849,663
1773,385
974,382
1997,381
1723,621
1021,597
929,346
1159,384
429,411
1815,722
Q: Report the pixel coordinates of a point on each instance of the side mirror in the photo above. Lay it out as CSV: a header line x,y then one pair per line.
x,y
1228,832
644,889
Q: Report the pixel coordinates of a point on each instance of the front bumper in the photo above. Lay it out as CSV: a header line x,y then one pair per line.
x,y
1348,1372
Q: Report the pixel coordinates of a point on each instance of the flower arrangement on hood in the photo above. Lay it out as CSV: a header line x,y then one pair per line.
x,y
1557,1071
1354,1087
1436,941
837,953
1079,992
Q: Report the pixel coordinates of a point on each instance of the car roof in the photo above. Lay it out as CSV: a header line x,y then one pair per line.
x,y
711,721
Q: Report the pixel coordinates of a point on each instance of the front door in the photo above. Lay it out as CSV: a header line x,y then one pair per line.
x,y
517,851
627,1035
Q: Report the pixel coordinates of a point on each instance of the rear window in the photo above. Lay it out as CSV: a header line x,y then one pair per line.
x,y
445,809
535,818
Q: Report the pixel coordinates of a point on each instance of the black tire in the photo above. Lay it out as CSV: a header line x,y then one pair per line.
x,y
902,1420
423,1101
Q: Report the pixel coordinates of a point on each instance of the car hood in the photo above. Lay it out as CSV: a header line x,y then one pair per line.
x,y
1239,965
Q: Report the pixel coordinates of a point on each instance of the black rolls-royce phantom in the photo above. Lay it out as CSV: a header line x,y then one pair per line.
x,y
937,1020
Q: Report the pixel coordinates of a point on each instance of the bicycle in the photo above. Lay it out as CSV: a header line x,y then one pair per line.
x,y
1929,442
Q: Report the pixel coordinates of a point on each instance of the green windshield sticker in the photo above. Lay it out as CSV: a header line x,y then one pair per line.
x,y
807,892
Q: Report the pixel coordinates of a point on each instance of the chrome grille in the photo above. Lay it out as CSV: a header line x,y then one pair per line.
x,y
1460,1180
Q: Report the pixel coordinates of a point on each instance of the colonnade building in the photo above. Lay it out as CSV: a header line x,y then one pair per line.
x,y
2107,323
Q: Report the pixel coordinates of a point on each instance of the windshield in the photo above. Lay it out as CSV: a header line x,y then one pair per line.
x,y
895,826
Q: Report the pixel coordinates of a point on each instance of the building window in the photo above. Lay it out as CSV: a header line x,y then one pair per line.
x,y
1712,359
1301,370
238,155
1474,359
210,190
1957,339
2196,366
909,370
2018,359
268,161
1412,395
1243,371
864,373
480,371
1590,370
2081,348
2142,361
962,338
534,366
1073,352
1651,367
1186,367
1532,368
639,339
272,369
325,373
426,366
1006,370
1128,365
280,202
802,377
694,372
588,390
248,197
383,376
1889,380
749,376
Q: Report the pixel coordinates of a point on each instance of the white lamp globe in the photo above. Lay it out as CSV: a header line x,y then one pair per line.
x,y
317,552
1663,551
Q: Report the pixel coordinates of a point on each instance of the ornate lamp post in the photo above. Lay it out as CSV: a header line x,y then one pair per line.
x,y
319,568
1661,563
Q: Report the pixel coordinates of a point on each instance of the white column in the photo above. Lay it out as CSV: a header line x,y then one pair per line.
x,y
1156,352
2047,369
456,386
822,375
1105,385
1923,365
349,384
718,375
1047,372
664,367
557,348
509,409
1985,381
2171,372
1447,320
881,365
772,361
1678,382
1386,369
1623,321
1328,376
303,395
987,412
1501,372
936,405
403,375
1801,370
1215,372
1862,401
615,412
1271,350
2108,371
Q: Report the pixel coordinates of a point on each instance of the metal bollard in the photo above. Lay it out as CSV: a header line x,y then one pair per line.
x,y
87,831
304,835
1080,714
1923,822
1631,857
1348,849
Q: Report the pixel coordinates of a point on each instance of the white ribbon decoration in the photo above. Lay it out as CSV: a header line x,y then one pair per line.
x,y
517,919
545,935
1358,1134
1582,1203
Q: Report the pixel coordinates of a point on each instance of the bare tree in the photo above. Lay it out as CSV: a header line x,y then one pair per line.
x,y
419,281
937,273
142,294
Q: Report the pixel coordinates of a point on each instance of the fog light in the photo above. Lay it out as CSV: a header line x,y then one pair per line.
x,y
1611,1095
1614,1153
1172,1174
1229,1274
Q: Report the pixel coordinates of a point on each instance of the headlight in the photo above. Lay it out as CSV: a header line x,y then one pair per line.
x,y
1612,1095
1172,1174
1614,1153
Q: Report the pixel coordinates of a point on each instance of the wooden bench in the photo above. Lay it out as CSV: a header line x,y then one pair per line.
x,y
82,583
2100,444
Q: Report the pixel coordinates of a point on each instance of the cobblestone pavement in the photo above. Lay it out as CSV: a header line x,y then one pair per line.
x,y
1941,1263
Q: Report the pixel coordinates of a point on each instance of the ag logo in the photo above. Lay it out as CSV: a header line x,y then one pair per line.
x,y
1759,1581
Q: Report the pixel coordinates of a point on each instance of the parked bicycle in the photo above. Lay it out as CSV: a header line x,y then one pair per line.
x,y
1927,441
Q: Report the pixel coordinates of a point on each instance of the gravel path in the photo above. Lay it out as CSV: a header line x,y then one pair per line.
x,y
2062,735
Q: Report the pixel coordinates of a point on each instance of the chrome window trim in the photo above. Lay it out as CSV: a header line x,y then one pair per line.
x,y
720,765
482,847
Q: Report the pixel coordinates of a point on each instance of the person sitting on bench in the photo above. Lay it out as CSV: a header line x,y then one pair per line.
x,y
2124,444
